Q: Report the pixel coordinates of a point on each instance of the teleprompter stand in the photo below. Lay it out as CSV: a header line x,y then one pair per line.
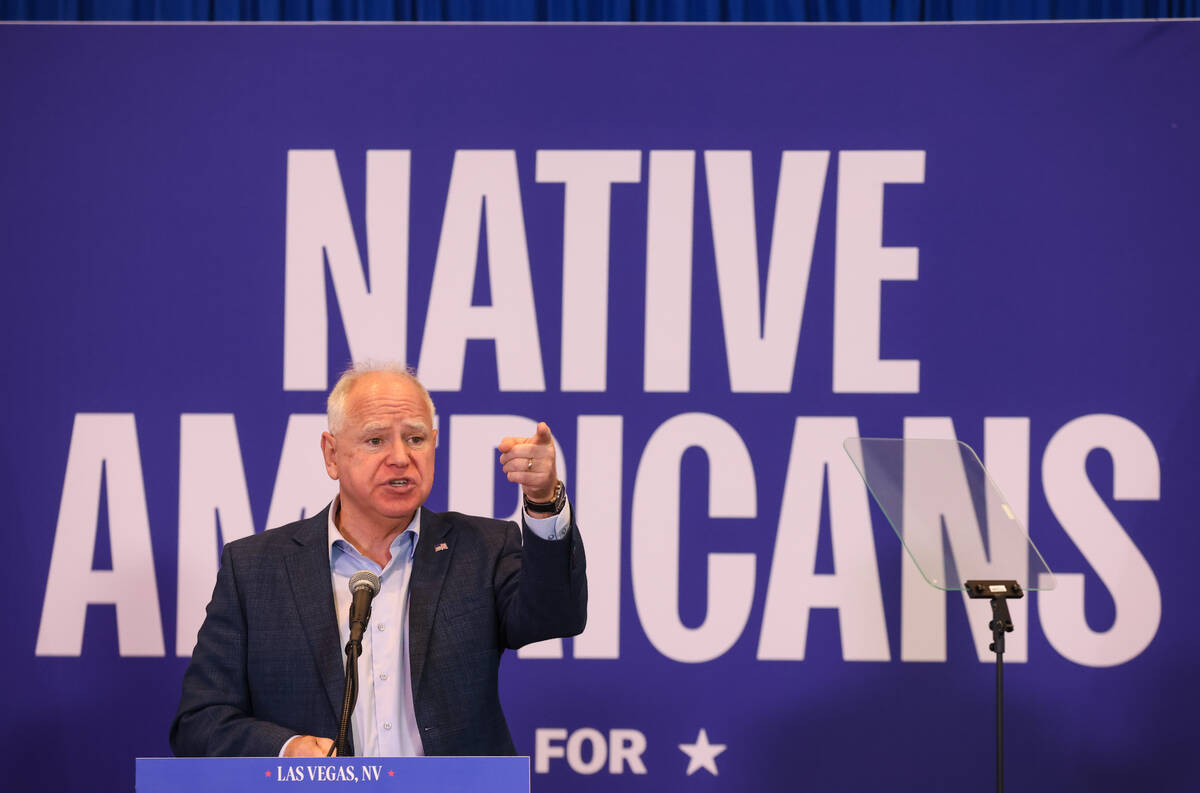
x,y
999,592
958,529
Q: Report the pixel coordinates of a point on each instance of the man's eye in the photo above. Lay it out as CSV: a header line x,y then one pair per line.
x,y
416,440
375,441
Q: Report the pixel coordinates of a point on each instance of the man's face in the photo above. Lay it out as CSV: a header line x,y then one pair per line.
x,y
382,454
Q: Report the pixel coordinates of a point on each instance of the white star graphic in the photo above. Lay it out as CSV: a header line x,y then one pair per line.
x,y
702,754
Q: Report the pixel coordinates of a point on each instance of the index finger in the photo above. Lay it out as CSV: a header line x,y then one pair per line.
x,y
509,442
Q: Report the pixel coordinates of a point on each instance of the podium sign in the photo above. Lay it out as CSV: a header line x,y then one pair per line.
x,y
261,774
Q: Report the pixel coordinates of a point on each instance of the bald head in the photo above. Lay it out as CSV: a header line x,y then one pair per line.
x,y
335,406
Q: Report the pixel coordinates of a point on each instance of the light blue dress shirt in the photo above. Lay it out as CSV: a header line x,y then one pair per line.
x,y
383,719
384,722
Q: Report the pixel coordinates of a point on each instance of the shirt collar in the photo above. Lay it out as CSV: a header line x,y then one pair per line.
x,y
333,536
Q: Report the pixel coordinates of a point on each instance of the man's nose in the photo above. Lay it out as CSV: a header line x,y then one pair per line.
x,y
398,455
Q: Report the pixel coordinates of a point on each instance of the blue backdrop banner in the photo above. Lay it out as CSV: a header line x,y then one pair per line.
x,y
705,256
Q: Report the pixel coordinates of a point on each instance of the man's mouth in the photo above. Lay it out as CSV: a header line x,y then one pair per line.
x,y
398,482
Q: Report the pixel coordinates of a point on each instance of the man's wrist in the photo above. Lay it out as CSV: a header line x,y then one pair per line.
x,y
286,744
550,508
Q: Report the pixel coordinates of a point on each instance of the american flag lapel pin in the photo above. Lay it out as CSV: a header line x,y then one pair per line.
x,y
441,546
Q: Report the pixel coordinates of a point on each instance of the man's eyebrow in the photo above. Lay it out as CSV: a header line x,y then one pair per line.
x,y
384,426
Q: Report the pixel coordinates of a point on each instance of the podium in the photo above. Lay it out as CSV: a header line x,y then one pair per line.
x,y
262,774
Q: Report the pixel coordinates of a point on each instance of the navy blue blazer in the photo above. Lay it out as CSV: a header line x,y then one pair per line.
x,y
268,662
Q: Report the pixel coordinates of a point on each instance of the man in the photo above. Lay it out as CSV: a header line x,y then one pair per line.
x,y
267,675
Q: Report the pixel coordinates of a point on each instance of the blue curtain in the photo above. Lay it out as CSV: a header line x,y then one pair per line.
x,y
593,10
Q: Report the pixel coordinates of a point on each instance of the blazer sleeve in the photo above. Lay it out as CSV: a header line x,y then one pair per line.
x,y
214,717
541,586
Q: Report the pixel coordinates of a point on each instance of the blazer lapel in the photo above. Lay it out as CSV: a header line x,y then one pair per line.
x,y
425,587
308,571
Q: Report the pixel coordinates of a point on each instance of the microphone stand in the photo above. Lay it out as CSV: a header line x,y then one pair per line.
x,y
364,585
353,651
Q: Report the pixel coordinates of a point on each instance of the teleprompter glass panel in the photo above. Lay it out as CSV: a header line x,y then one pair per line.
x,y
952,519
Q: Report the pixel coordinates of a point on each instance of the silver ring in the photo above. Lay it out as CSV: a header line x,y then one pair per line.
x,y
530,466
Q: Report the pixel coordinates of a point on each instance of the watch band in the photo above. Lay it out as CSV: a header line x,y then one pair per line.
x,y
554,505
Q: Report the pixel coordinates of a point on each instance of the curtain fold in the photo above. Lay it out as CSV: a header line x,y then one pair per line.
x,y
592,10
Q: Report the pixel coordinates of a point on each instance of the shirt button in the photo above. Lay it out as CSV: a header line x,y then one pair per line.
x,y
383,676
387,725
379,627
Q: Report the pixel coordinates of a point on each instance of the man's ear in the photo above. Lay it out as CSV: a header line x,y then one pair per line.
x,y
329,452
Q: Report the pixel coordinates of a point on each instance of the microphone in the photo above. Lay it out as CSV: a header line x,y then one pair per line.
x,y
364,585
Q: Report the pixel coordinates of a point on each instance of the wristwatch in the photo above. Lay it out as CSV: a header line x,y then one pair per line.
x,y
553,506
